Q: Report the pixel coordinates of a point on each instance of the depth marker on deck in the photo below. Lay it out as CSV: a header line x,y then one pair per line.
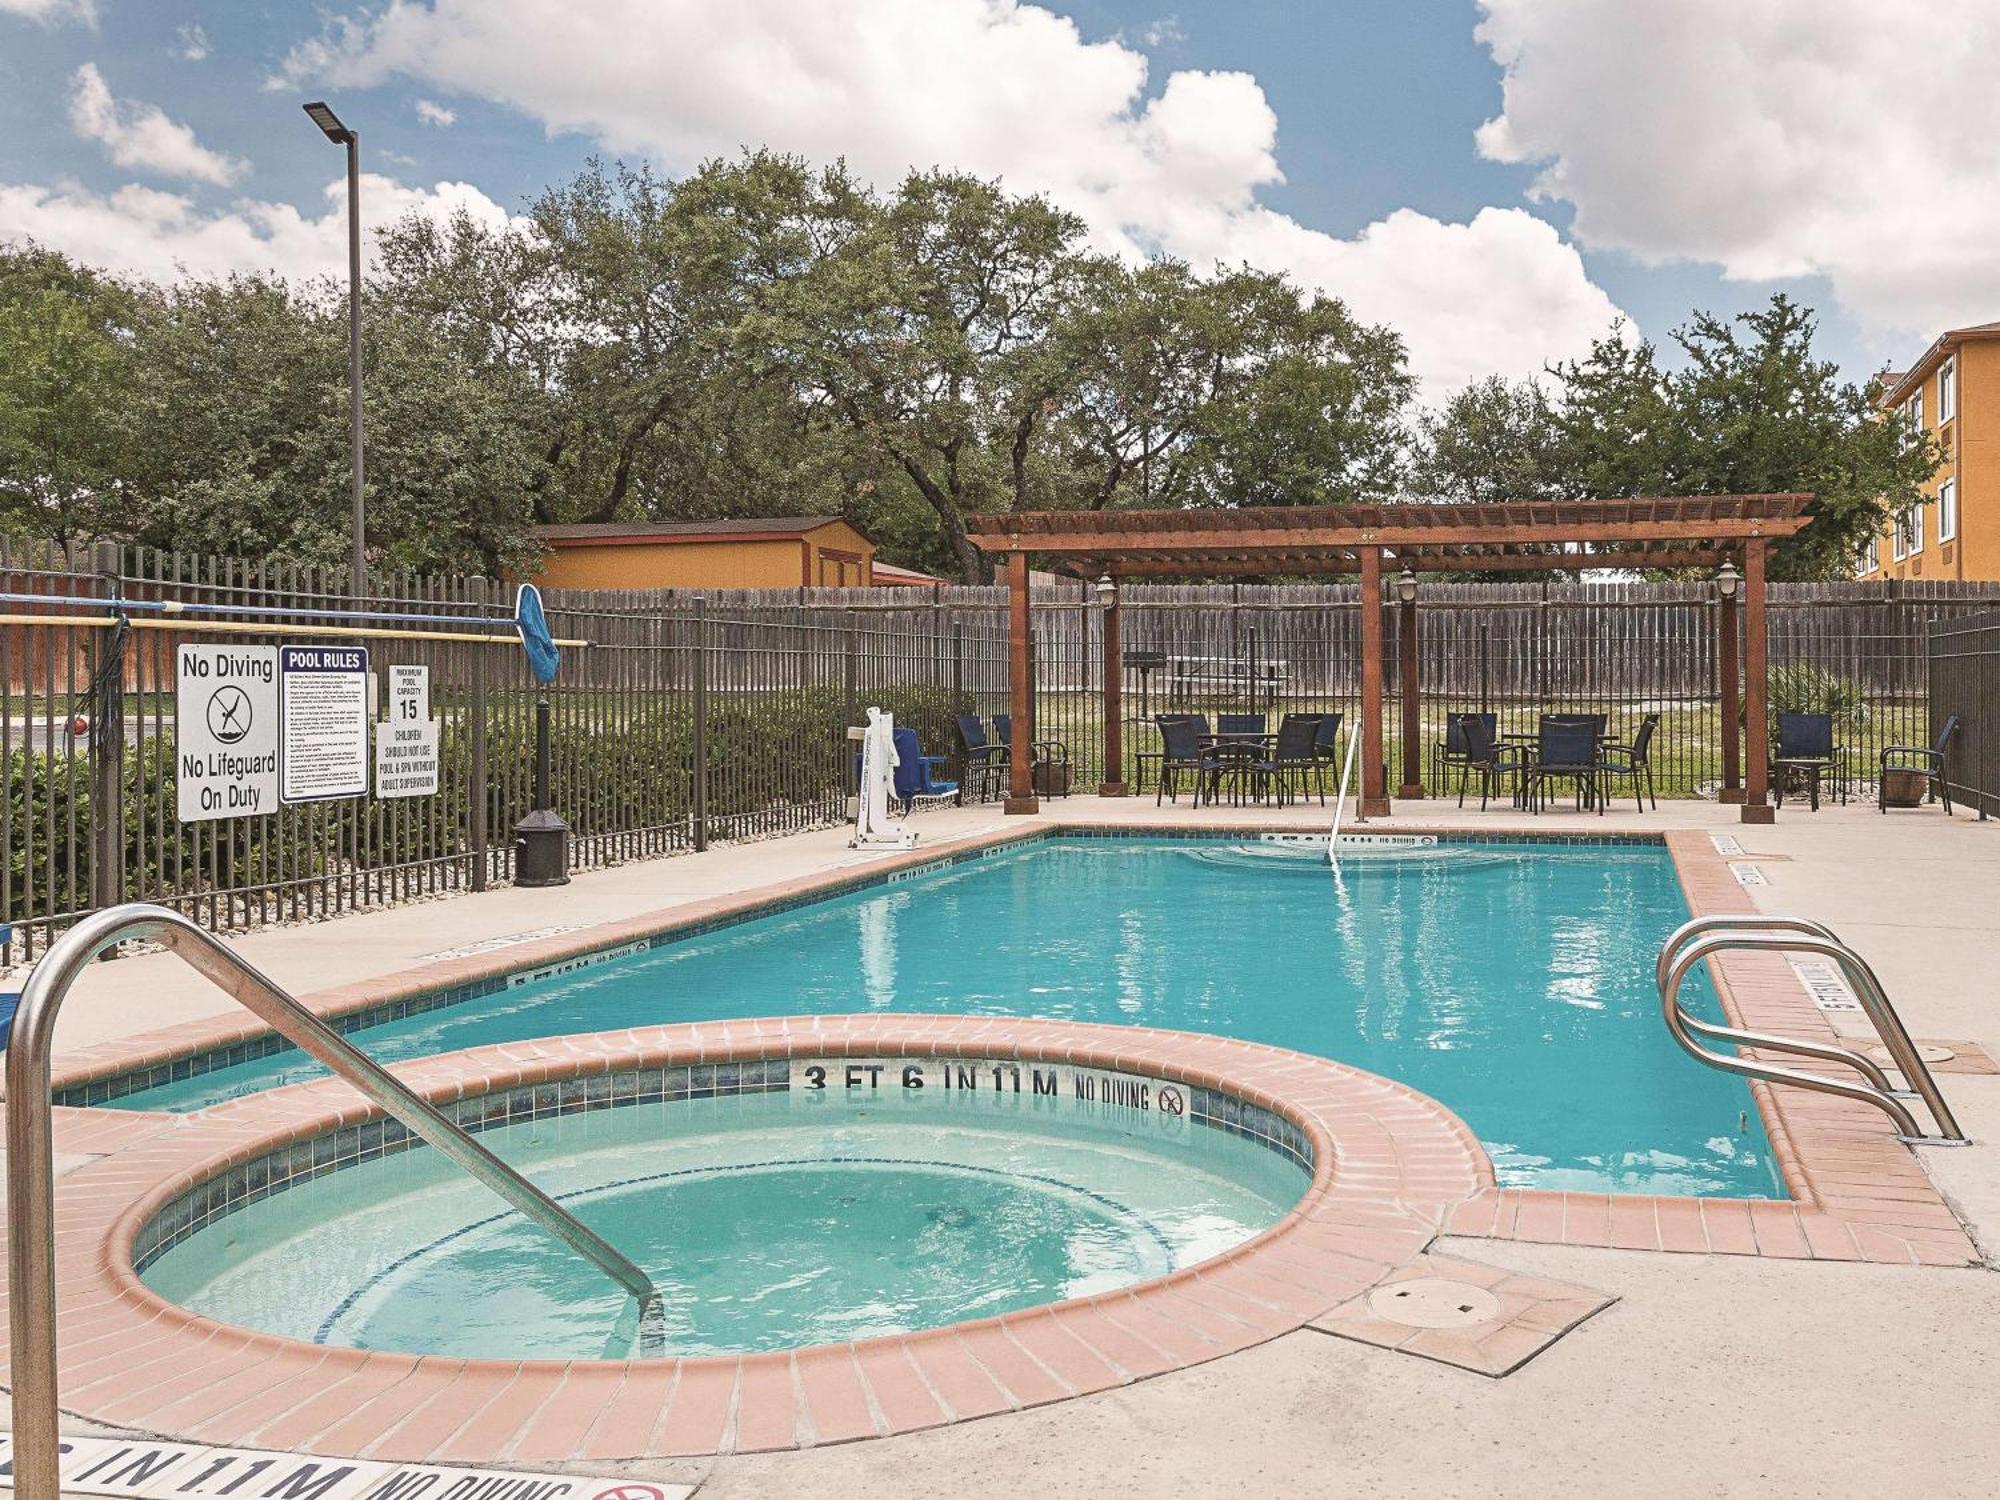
x,y
193,1471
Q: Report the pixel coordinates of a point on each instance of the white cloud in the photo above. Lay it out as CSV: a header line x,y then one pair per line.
x,y
193,42
1846,138
52,12
141,136
435,114
145,232
999,88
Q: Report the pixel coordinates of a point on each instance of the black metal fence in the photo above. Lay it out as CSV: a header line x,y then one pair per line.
x,y
684,721
688,720
1965,680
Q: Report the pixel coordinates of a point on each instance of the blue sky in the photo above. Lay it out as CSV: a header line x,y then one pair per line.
x,y
1168,128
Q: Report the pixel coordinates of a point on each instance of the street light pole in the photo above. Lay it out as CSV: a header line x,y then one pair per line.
x,y
340,135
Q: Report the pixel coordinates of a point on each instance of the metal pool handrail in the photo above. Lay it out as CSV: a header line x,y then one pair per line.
x,y
31,1173
1704,937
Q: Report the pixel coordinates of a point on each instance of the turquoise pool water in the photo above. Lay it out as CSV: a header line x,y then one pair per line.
x,y
766,1221
1511,982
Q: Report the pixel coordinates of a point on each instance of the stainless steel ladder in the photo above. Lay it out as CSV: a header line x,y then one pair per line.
x,y
1705,937
31,1174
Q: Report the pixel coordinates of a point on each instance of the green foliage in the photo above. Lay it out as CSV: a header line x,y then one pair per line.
x,y
1748,410
1804,688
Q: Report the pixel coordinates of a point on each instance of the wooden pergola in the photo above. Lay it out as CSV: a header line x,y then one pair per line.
x,y
1696,531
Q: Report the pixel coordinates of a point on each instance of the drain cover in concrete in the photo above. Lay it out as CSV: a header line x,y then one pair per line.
x,y
1433,1302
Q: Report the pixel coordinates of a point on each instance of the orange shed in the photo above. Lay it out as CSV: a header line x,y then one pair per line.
x,y
768,552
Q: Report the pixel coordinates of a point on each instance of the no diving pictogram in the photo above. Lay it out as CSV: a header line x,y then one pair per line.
x,y
1171,1101
631,1492
229,713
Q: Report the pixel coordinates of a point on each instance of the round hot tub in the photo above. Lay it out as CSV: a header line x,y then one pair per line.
x,y
776,1203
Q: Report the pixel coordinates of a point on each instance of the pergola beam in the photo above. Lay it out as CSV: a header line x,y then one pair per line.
x,y
1538,536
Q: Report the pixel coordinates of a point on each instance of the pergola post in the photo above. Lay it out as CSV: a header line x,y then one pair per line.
x,y
1021,691
1113,784
1374,794
1729,668
1756,687
1407,694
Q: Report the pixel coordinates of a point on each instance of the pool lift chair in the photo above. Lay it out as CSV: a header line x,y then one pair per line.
x,y
874,828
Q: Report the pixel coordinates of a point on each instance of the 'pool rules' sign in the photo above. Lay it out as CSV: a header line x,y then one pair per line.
x,y
406,744
323,722
225,732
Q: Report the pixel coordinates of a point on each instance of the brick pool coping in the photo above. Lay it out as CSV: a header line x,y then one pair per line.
x,y
1389,1166
1857,1192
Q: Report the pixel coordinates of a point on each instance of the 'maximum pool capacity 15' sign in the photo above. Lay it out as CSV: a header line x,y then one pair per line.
x,y
225,732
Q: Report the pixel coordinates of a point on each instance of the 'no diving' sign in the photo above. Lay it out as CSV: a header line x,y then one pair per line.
x,y
225,732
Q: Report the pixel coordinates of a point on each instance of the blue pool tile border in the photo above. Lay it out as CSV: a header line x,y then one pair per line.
x,y
336,1150
100,1091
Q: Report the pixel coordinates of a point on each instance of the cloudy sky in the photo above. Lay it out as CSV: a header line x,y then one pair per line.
x,y
1498,179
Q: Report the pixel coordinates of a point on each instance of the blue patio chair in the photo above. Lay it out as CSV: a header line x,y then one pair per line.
x,y
1185,751
1294,758
917,774
1806,753
1448,754
1230,725
1567,749
1488,759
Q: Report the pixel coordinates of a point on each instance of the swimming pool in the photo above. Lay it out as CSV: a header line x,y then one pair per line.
x,y
767,1220
1513,985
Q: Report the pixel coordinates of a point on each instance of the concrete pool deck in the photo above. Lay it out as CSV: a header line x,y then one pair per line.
x,y
1712,1374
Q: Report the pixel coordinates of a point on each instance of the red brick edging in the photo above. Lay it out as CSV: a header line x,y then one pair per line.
x,y
1389,1166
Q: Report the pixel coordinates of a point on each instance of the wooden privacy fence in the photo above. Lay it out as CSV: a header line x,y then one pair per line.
x,y
697,719
1965,680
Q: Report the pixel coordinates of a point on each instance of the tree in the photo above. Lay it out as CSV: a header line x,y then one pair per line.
x,y
1762,415
1491,440
64,375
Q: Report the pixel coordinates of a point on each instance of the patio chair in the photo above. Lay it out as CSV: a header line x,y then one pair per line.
x,y
1230,725
984,762
1184,752
1806,752
1633,762
1486,758
917,774
1293,757
1566,749
1448,754
1929,763
1048,760
1326,746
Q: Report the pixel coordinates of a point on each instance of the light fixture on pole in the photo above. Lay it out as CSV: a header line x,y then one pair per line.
x,y
1406,585
1728,580
1107,591
340,135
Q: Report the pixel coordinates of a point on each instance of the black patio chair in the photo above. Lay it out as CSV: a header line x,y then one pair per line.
x,y
1230,726
984,762
1633,762
1184,751
1567,749
1293,758
1048,760
1806,753
1448,754
1929,761
1486,758
1326,746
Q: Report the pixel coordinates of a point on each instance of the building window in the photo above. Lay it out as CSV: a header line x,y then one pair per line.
x,y
1871,555
1947,391
1947,508
1910,532
1913,409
